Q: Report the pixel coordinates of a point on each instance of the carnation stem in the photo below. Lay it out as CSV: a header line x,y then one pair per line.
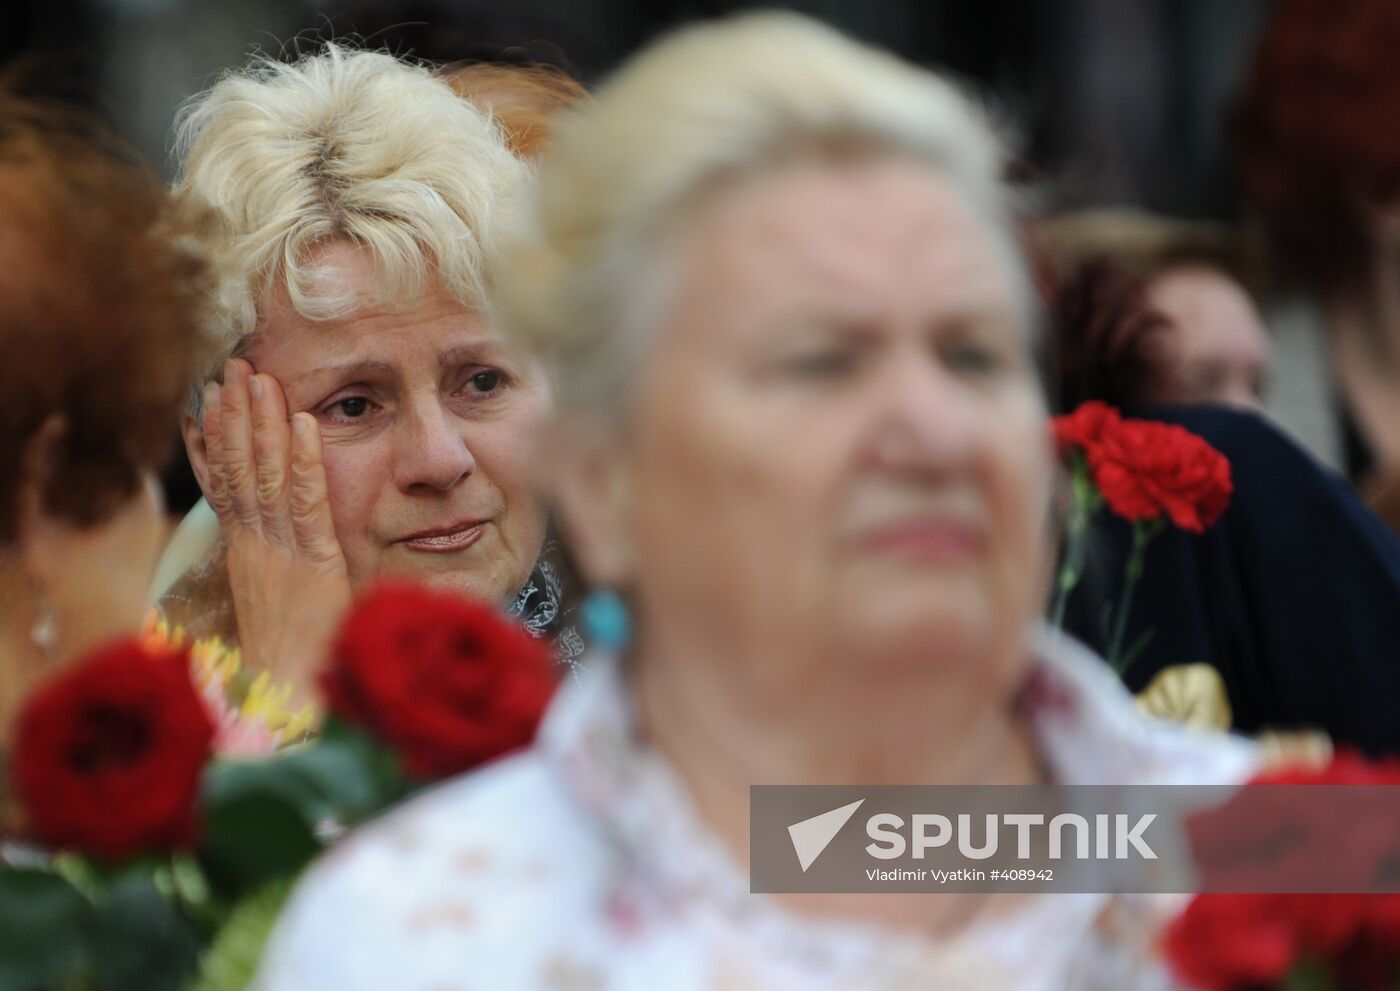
x,y
1084,502
1143,532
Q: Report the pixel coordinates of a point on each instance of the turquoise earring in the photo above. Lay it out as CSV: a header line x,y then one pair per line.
x,y
606,621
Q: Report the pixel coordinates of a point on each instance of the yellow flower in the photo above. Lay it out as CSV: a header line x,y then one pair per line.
x,y
269,702
254,703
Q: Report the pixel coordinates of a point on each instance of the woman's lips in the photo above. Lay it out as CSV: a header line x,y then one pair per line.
x,y
926,540
446,541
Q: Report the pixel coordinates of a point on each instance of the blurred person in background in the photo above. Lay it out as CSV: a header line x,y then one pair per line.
x,y
1293,653
1212,345
525,101
1108,344
802,442
368,419
1224,351
1317,152
103,299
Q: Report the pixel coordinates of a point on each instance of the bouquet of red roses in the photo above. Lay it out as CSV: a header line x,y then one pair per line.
x,y
1147,473
140,852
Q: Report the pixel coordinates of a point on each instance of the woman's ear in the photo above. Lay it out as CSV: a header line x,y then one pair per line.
x,y
39,534
192,429
592,496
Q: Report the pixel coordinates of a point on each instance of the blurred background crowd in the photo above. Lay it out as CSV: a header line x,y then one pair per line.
x,y
1122,102
1211,171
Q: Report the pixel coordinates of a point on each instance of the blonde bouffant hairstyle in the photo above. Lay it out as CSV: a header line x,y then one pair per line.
x,y
580,281
344,145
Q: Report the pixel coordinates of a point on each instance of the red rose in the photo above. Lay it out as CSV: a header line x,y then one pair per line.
x,y
447,682
1144,469
107,755
1084,427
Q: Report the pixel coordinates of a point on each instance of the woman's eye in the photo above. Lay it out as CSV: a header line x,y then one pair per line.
x,y
973,358
351,408
820,364
488,380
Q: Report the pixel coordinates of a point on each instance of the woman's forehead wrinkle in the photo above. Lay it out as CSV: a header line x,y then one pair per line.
x,y
353,369
474,351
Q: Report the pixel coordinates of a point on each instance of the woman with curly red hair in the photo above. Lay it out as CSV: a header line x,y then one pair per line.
x,y
1318,156
100,300
524,100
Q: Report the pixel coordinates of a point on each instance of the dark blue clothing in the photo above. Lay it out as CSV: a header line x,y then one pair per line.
x,y
1293,595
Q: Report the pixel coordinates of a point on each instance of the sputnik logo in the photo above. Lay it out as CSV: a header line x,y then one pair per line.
x,y
811,836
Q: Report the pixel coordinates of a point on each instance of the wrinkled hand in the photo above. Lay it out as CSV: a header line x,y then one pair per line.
x,y
268,486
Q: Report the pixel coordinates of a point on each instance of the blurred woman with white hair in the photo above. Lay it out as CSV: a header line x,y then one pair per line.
x,y
366,417
803,443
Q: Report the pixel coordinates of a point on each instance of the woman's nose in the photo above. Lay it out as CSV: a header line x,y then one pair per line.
x,y
923,419
432,452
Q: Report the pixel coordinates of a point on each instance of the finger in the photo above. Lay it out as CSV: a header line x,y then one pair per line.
x,y
238,443
272,452
217,483
311,506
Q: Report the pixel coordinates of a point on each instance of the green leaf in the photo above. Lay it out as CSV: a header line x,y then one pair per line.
x,y
266,819
41,926
338,730
340,781
1310,975
230,962
81,873
344,746
191,887
137,941
257,825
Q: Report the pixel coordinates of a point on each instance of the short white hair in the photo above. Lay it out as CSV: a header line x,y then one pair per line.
x,y
708,102
345,145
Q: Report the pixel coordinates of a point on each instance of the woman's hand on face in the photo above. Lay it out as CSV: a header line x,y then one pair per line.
x,y
268,486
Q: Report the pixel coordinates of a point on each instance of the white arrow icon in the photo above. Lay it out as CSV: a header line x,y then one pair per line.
x,y
811,836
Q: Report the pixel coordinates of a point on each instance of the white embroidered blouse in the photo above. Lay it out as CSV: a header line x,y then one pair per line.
x,y
580,865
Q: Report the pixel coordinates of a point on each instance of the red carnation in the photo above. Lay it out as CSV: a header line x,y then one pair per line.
x,y
447,682
1085,426
1233,942
1145,468
1224,941
1347,767
107,755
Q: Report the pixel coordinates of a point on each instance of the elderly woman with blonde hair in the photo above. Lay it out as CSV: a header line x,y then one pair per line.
x,y
366,417
801,436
